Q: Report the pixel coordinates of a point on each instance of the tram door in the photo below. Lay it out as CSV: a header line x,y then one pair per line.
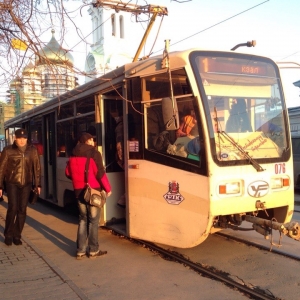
x,y
112,135
164,203
49,158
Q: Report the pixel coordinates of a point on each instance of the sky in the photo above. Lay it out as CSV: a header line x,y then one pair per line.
x,y
217,25
220,25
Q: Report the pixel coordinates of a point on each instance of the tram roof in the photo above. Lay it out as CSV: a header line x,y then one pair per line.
x,y
151,65
84,90
112,78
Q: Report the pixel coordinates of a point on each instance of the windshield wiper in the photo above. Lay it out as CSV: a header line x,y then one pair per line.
x,y
253,162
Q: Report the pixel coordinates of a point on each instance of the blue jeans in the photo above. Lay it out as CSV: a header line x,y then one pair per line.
x,y
87,234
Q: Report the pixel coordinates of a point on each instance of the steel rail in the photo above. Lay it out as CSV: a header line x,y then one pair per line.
x,y
250,292
258,246
256,294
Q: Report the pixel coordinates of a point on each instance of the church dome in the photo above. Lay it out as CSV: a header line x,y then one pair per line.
x,y
30,69
54,53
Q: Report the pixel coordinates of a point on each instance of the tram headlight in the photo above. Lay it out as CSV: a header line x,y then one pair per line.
x,y
230,188
279,182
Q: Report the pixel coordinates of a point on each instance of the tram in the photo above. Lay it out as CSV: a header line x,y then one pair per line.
x,y
206,144
294,115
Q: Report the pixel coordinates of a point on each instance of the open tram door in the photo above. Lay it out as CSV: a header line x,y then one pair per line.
x,y
163,202
109,114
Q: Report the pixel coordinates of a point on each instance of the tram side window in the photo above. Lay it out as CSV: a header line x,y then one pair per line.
x,y
36,134
158,86
183,142
86,124
66,140
65,111
10,134
84,106
168,147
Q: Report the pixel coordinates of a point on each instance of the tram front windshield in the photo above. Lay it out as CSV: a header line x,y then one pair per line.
x,y
244,105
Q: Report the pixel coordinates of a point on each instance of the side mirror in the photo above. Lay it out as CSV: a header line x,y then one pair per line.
x,y
170,114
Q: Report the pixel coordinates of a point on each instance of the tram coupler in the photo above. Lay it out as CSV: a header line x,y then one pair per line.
x,y
260,204
290,229
262,230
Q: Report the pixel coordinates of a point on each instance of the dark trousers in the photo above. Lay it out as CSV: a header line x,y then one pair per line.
x,y
17,198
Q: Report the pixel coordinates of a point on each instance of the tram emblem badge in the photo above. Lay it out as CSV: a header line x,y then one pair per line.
x,y
258,188
173,196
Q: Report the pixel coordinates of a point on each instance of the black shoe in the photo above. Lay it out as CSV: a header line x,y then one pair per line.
x,y
97,254
17,242
8,241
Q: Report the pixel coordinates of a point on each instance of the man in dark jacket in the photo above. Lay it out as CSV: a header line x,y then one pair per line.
x,y
20,168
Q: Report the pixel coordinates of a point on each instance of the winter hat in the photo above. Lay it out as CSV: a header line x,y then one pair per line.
x,y
84,137
21,133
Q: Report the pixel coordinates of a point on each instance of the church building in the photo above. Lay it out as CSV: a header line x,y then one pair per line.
x,y
112,45
50,75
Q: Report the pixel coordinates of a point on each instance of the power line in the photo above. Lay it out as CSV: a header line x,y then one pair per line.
x,y
82,40
290,55
216,24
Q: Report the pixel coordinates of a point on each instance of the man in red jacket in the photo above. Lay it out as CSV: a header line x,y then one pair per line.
x,y
87,235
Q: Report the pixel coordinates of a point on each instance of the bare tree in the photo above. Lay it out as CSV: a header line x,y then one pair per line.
x,y
22,25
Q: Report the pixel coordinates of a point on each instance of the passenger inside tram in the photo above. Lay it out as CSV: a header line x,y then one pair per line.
x,y
238,120
183,142
188,124
61,152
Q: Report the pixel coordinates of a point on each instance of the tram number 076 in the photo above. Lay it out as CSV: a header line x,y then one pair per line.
x,y
280,168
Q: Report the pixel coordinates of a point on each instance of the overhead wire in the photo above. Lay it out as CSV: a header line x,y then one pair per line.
x,y
172,44
186,37
214,25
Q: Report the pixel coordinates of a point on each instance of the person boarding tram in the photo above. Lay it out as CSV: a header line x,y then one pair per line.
x,y
89,216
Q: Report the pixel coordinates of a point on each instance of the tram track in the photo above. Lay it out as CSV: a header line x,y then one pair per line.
x,y
272,248
248,290
210,270
243,287
258,246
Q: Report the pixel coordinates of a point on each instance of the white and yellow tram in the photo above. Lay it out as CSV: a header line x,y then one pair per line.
x,y
232,163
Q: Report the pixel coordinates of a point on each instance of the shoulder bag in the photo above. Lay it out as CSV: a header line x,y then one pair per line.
x,y
93,196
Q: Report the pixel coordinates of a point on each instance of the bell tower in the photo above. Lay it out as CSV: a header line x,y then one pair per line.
x,y
111,45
